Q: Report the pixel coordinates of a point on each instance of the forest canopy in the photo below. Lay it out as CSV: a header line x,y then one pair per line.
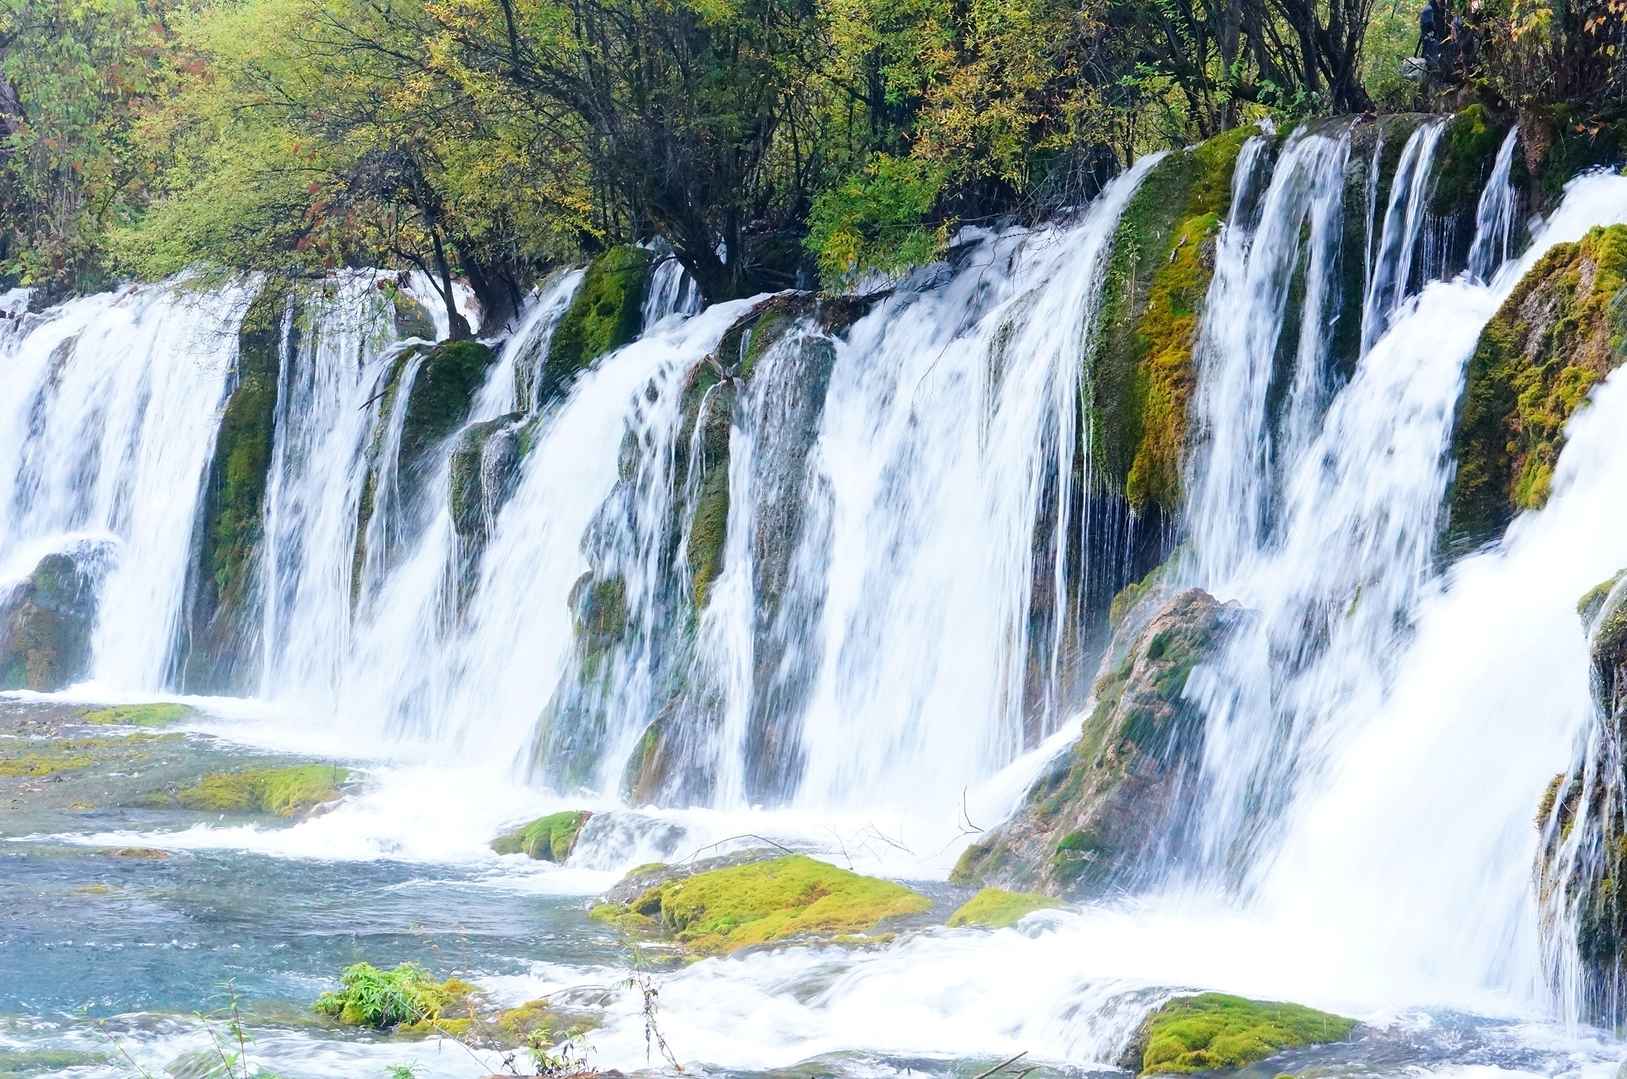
x,y
772,143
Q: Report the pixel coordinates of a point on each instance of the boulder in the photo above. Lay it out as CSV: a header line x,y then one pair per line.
x,y
1213,1032
546,839
606,313
47,619
1115,795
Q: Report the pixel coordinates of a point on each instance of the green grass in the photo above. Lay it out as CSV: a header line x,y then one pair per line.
x,y
996,908
1214,1032
136,715
282,792
385,999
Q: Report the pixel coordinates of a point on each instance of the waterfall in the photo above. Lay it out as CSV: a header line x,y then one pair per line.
x,y
1494,214
671,291
1237,465
1370,702
108,425
1396,271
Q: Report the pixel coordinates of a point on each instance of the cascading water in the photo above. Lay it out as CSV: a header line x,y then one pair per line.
x,y
1494,224
109,427
1396,272
1335,714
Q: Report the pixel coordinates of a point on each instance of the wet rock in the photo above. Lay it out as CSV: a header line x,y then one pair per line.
x,y
484,467
1579,875
1113,798
222,585
722,910
1562,330
606,313
283,791
1216,1032
547,839
46,620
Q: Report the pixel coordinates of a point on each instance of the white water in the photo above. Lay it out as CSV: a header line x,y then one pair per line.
x,y
1494,214
1393,728
108,423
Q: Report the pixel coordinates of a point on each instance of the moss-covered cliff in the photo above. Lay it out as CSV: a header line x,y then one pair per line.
x,y
1151,305
605,313
234,494
1561,331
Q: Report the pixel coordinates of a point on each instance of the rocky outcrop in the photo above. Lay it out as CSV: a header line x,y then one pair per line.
x,y
1115,797
47,618
1561,332
1579,875
606,313
1562,140
223,585
1157,278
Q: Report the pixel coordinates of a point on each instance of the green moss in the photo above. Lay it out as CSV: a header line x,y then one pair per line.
x,y
1593,599
40,765
548,839
386,999
605,313
1570,141
996,908
440,397
708,532
242,458
1464,159
19,1062
724,910
282,792
1558,334
137,715
1157,278
1214,1031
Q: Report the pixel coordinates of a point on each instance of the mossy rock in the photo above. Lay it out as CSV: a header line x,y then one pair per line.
x,y
547,839
1117,795
41,765
996,908
138,715
765,902
442,393
1464,160
606,313
1564,140
482,470
1562,330
1157,279
1218,1032
233,496
46,621
276,791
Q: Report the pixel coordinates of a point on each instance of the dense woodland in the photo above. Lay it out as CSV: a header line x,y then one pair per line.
x,y
771,142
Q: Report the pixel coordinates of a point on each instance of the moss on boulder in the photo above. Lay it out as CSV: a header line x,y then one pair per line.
x,y
996,908
1561,331
46,620
547,839
605,314
723,910
1464,160
1116,794
277,791
1217,1032
1157,277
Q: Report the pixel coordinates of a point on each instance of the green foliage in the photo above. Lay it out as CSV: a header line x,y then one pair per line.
x,y
386,999
279,791
996,908
548,839
724,910
875,221
1213,1031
